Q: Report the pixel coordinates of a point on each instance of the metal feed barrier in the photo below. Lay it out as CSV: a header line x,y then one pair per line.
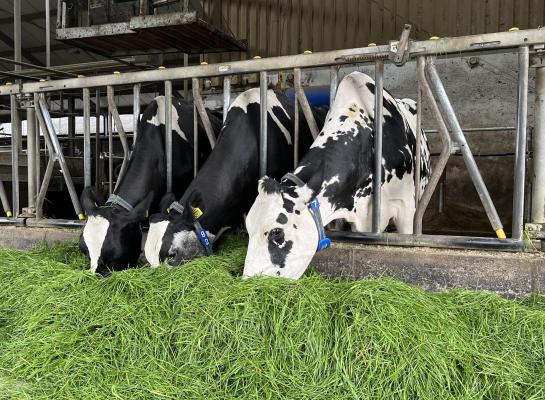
x,y
430,88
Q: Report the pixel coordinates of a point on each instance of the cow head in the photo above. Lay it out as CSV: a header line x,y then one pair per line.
x,y
283,234
172,236
112,236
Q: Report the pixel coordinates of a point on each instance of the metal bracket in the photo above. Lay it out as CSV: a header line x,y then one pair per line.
x,y
399,50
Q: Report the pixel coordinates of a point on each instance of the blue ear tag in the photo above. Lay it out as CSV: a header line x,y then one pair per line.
x,y
203,238
323,240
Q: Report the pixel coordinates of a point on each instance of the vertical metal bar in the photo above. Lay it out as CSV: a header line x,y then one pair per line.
x,y
334,74
520,150
17,32
297,82
63,16
538,181
98,145
15,144
263,123
143,7
136,111
110,153
226,95
59,13
47,34
418,149
86,137
377,176
43,189
186,83
195,142
31,157
168,132
450,117
71,125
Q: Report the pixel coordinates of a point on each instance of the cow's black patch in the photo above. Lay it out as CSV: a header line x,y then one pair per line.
x,y
282,219
288,204
294,226
343,118
270,186
278,254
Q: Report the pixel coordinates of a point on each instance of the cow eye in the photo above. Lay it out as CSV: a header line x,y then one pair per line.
x,y
172,255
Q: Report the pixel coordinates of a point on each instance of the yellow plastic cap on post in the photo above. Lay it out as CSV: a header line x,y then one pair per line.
x,y
307,52
372,44
257,57
9,214
204,63
434,37
500,233
161,67
81,216
116,72
513,29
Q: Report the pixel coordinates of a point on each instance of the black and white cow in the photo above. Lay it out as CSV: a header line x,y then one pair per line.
x,y
226,186
334,181
112,236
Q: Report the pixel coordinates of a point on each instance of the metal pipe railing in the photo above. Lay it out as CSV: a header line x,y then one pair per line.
x,y
4,199
520,156
377,166
168,133
450,117
136,111
263,115
114,115
201,109
86,137
31,158
303,102
15,147
538,181
226,96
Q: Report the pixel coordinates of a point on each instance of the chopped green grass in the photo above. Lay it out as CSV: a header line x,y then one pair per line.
x,y
200,332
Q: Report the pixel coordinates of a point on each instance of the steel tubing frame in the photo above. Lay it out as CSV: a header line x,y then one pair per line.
x,y
377,166
538,181
116,119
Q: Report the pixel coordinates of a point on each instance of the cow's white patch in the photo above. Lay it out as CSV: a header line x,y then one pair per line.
x,y
186,245
94,234
159,117
154,241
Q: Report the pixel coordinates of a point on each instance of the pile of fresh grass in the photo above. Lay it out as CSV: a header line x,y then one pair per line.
x,y
199,331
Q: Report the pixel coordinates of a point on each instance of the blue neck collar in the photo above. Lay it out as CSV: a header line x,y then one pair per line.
x,y
314,209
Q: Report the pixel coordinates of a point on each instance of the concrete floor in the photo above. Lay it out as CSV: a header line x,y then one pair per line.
x,y
506,273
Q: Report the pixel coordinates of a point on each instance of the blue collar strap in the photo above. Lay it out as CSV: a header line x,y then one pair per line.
x,y
199,231
115,199
314,209
176,207
203,238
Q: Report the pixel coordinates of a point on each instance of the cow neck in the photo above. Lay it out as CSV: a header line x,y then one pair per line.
x,y
144,172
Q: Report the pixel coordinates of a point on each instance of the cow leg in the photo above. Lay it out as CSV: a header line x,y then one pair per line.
x,y
404,220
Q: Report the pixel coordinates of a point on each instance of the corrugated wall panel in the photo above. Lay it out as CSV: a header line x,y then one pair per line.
x,y
279,27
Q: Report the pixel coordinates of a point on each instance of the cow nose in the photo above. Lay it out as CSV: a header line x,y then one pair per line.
x,y
103,270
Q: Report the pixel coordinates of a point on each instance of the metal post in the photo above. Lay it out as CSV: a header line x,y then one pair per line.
x,y
59,13
263,123
47,34
31,158
98,145
143,7
195,142
168,132
63,15
520,150
226,96
17,32
186,86
86,137
71,125
538,181
15,145
296,81
418,134
4,199
377,176
450,117
334,75
110,153
136,112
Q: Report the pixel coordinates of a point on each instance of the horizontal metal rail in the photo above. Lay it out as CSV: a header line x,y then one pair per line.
x,y
440,241
442,47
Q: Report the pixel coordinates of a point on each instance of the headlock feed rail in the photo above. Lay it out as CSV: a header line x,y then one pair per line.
x,y
30,97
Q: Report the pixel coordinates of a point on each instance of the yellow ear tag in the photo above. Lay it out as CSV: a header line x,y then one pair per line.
x,y
197,212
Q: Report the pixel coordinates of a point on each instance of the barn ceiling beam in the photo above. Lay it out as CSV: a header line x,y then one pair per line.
x,y
26,54
27,17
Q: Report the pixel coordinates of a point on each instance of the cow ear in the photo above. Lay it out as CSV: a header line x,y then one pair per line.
x,y
140,211
166,201
88,201
268,185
